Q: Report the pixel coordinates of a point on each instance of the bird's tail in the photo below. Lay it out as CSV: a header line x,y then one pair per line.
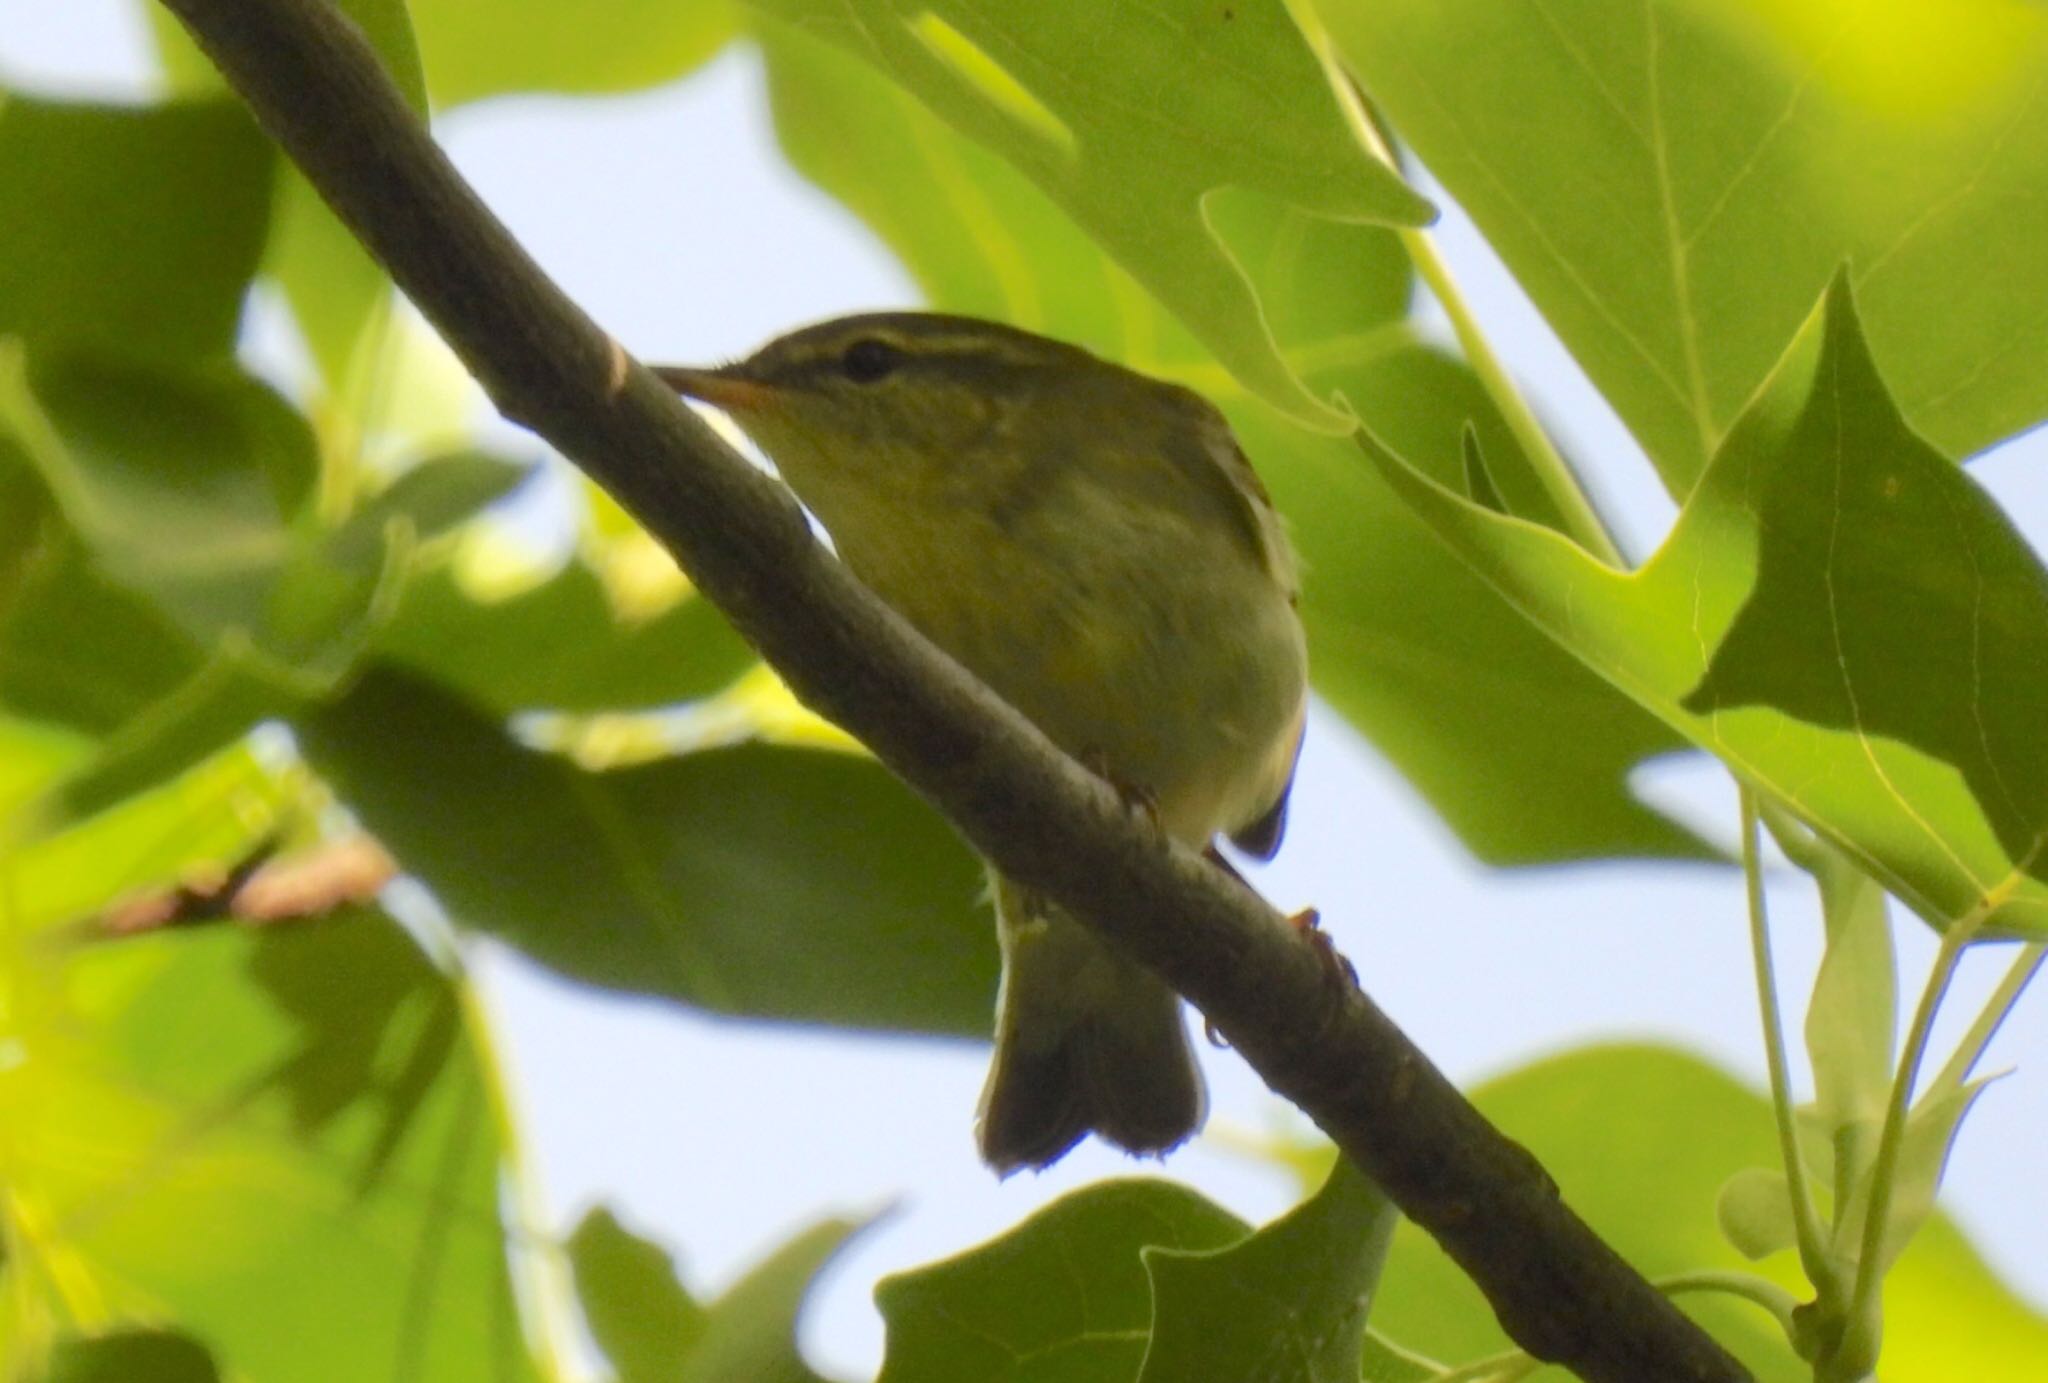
x,y
1085,1041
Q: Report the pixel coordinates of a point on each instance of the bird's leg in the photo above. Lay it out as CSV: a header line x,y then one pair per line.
x,y
1309,924
1138,799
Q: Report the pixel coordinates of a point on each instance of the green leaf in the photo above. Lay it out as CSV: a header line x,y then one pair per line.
x,y
1852,1018
640,1316
1129,122
184,484
751,1330
471,51
1675,181
559,645
426,499
132,1356
215,1117
1755,1212
129,232
781,883
1406,642
80,651
1840,615
1639,1139
1285,1305
1062,1298
1387,1362
1930,1134
653,1332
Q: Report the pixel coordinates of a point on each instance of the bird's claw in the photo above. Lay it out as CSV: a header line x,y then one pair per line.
x,y
1308,923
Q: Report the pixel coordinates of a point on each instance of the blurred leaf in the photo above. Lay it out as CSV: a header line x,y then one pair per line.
x,y
559,646
1674,183
1285,1305
640,1316
1639,1139
188,490
1930,1134
1063,1296
1407,643
1387,1362
184,484
474,49
129,232
770,882
77,650
202,1120
1755,1212
1840,615
1093,107
751,1330
428,499
651,1330
132,1356
1852,1018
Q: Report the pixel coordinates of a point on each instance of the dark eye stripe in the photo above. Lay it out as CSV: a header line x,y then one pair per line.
x,y
868,360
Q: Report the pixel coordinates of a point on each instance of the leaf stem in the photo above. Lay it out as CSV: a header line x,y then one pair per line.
x,y
1855,1354
1758,1291
1971,1049
1504,1367
1813,1240
1581,520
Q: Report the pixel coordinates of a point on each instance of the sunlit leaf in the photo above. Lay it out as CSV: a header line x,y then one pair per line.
x,y
1842,616
1675,181
1852,1018
1445,677
559,645
1755,1212
472,49
205,1119
1096,115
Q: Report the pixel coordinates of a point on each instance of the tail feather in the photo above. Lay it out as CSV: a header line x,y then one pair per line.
x,y
1085,1042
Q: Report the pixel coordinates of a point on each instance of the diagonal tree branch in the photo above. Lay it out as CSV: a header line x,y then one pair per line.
x,y
1560,1291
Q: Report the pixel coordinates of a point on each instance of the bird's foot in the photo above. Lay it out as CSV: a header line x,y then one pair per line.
x,y
1139,800
1308,923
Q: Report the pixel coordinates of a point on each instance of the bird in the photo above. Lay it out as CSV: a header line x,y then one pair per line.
x,y
1092,544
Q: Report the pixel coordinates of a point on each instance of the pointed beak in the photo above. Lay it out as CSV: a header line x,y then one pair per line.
x,y
721,388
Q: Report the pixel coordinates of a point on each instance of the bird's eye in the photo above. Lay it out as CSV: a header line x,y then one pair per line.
x,y
868,360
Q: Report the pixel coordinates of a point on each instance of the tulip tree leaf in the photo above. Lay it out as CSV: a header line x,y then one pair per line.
x,y
771,882
1287,1304
471,50
1675,181
1413,648
1647,1182
1842,616
209,1117
654,1332
129,232
1063,1296
124,1356
1093,114
559,645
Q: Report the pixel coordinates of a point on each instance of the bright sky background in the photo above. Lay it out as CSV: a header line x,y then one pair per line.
x,y
671,218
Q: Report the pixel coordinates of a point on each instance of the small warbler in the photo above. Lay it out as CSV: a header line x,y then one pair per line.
x,y
1094,546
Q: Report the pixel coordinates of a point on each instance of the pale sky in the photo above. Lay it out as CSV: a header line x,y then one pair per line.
x,y
670,217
